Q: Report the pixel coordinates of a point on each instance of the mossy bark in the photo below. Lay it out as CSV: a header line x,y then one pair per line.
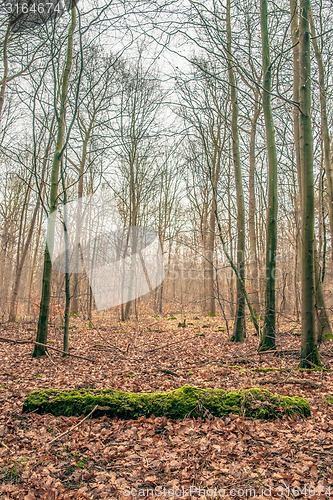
x,y
180,403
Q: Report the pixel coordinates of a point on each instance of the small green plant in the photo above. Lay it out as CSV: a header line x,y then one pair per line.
x,y
212,314
81,464
11,474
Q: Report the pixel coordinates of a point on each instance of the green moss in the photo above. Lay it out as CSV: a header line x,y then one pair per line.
x,y
182,324
269,369
179,403
330,400
256,369
81,464
315,369
235,367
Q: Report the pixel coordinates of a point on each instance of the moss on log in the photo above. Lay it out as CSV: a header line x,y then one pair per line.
x,y
184,402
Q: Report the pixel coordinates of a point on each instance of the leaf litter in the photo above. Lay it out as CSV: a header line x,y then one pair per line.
x,y
46,457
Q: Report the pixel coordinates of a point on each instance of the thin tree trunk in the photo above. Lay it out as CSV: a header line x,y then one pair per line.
x,y
67,282
34,261
42,331
325,135
6,69
240,325
309,351
214,178
294,28
268,337
254,263
323,327
75,302
20,265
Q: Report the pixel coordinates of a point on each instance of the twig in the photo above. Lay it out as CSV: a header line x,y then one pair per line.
x,y
12,341
266,352
48,355
172,343
74,427
3,339
286,352
112,346
308,383
168,372
63,352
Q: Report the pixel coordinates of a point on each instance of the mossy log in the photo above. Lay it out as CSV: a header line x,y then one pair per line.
x,y
184,402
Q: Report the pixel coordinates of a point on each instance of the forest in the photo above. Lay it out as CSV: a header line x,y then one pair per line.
x,y
166,249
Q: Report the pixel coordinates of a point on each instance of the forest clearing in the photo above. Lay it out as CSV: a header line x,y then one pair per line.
x,y
44,456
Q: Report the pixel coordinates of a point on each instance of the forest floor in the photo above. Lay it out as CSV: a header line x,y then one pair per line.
x,y
233,457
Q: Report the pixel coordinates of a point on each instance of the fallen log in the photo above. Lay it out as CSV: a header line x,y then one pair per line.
x,y
180,403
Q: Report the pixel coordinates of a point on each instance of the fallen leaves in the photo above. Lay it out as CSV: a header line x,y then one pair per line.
x,y
101,458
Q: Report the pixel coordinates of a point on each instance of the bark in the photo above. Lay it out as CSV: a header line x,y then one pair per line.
x,y
254,263
325,135
20,265
209,261
309,352
323,326
240,325
268,337
75,302
42,331
6,69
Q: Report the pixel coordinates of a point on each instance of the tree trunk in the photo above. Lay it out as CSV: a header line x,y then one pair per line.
x,y
240,325
325,135
20,265
42,331
254,263
309,352
323,326
6,69
268,337
75,302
